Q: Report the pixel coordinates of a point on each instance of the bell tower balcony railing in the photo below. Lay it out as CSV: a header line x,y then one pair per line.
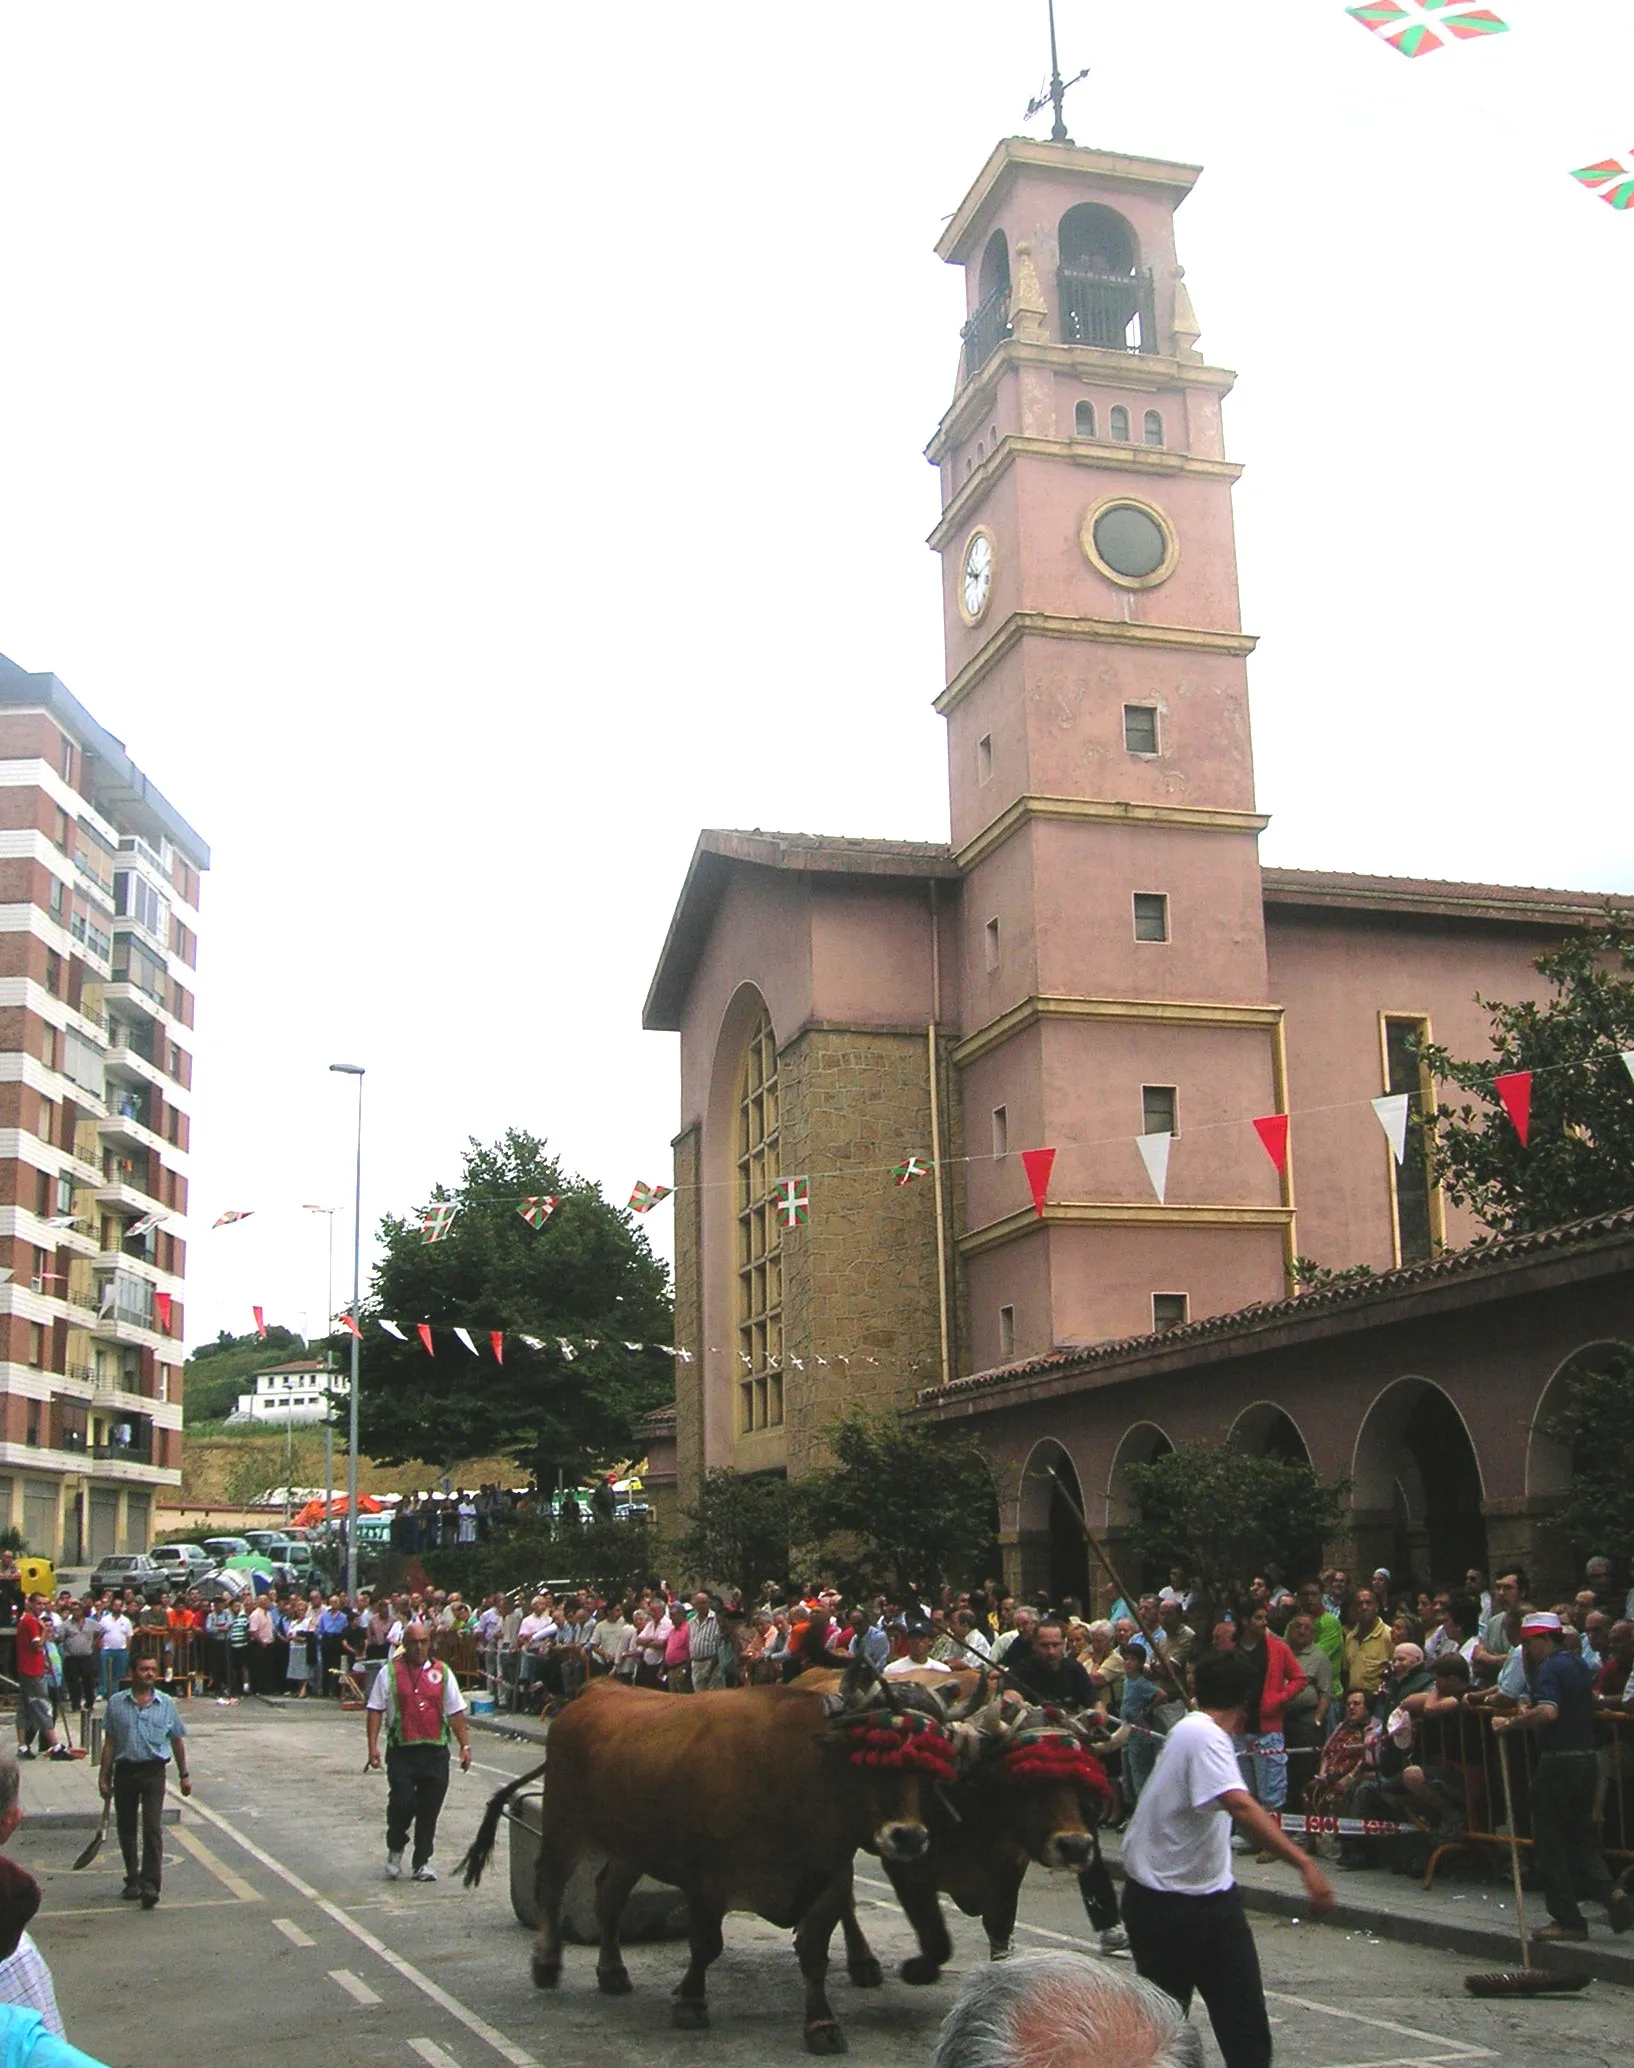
x,y
987,329
1116,311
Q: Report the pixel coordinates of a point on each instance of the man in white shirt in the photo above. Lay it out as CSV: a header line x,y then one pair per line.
x,y
114,1628
1181,1908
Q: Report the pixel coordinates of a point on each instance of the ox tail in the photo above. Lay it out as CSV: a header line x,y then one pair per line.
x,y
481,1849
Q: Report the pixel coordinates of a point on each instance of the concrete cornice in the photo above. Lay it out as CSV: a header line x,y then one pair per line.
x,y
1193,818
1142,373
1169,1012
1118,1213
1121,458
1043,624
1115,169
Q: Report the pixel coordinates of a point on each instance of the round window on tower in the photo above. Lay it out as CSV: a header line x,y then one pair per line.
x,y
1131,543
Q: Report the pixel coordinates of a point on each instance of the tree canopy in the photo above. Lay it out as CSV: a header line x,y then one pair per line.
x,y
1594,1420
216,1373
1579,1156
589,1273
740,1528
906,1506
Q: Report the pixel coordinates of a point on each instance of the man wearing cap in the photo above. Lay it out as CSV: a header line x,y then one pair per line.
x,y
419,1701
917,1659
1565,1843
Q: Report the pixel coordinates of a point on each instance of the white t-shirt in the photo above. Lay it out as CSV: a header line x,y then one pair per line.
x,y
898,1667
535,1630
1177,1841
116,1632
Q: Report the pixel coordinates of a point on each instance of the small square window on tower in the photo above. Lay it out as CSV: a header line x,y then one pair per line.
x,y
1151,915
1159,1112
990,943
1169,1310
1007,1332
984,758
1001,1131
1140,728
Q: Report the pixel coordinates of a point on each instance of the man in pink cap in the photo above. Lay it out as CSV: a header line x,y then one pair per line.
x,y
1565,1843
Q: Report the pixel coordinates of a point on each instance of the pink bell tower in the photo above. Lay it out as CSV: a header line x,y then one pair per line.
x,y
1101,774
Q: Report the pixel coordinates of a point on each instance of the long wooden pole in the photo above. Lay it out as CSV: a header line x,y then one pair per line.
x,y
1116,1578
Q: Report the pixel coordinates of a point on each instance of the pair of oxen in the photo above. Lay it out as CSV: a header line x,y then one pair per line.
x,y
759,1799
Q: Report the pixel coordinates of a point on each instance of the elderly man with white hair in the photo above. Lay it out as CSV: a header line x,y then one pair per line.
x,y
1064,2010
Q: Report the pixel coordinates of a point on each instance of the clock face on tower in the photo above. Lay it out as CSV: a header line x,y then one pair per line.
x,y
976,576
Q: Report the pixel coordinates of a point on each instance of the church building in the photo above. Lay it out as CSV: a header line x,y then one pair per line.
x,y
1096,956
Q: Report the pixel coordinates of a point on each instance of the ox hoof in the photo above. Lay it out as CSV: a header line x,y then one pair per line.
x,y
920,1969
826,2038
546,1973
614,1981
688,2014
866,1974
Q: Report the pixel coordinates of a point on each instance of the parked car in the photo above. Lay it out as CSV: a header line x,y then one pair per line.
x,y
270,1543
133,1569
223,1548
184,1563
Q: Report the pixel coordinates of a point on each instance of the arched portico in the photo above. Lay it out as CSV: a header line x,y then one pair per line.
x,y
1268,1431
1416,1495
1047,1553
1138,1446
1549,1468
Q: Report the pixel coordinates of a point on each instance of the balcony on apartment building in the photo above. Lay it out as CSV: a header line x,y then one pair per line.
x,y
116,1438
128,1121
126,1185
125,1310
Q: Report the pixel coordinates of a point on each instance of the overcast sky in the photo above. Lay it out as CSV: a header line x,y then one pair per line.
x,y
463,450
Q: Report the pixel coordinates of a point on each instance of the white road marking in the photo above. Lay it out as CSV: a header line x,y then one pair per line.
x,y
1447,2049
234,1884
518,2057
292,1932
432,2054
354,1985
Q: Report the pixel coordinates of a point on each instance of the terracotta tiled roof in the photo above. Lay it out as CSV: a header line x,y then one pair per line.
x,y
1480,1257
1340,890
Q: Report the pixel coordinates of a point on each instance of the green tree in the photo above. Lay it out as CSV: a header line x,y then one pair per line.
x,y
587,1274
216,1373
740,1528
1225,1514
1579,1157
1594,1420
904,1506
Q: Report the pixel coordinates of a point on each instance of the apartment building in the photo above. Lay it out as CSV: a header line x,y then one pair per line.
x,y
99,894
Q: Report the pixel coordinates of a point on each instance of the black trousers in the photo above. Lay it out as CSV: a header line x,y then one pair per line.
x,y
1565,1843
1203,1943
79,1681
329,1653
139,1794
416,1782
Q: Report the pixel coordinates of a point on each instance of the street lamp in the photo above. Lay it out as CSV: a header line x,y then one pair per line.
x,y
328,1387
354,1070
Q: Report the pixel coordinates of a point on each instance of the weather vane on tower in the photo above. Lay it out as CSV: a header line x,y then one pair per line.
x,y
1057,91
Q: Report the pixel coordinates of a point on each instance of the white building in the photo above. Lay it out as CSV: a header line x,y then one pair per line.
x,y
293,1395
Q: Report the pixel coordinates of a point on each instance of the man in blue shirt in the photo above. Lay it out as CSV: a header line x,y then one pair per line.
x,y
140,1730
1565,1841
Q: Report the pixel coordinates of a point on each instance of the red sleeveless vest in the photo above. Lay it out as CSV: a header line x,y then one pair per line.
x,y
420,1703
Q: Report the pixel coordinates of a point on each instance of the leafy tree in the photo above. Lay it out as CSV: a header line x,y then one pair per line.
x,y
255,1467
740,1528
912,1504
1579,1158
216,1373
527,1549
1307,1275
1595,1422
1224,1514
589,1273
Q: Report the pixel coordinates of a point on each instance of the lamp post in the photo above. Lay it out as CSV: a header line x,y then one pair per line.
x,y
354,1070
328,1388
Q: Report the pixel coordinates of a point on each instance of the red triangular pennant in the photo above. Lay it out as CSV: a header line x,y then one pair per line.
x,y
349,1323
260,1322
423,1330
496,1336
1273,1132
1515,1089
161,1310
1036,1163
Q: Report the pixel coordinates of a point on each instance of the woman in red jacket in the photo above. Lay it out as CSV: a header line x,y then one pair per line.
x,y
1262,1750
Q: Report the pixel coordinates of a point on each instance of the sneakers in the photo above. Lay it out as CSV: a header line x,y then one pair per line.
x,y
1115,1939
1620,1909
1554,1932
425,1873
394,1866
150,1896
130,1891
25,1752
61,1752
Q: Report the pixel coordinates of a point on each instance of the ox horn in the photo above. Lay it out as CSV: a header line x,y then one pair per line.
x,y
961,1712
859,1686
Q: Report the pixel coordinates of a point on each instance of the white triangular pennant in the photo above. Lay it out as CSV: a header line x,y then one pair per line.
x,y
1154,1153
1628,1058
463,1335
392,1329
1392,1112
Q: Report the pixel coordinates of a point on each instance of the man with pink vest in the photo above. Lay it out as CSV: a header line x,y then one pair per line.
x,y
419,1702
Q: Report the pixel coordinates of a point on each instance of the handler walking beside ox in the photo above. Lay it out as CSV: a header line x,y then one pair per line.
x,y
1181,1908
419,1701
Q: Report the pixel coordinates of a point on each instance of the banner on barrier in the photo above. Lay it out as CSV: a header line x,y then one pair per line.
x,y
1342,1827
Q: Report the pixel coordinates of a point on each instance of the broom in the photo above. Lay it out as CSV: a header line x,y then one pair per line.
x,y
1526,1980
96,1843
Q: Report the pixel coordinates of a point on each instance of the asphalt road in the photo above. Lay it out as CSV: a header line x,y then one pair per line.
x,y
279,1940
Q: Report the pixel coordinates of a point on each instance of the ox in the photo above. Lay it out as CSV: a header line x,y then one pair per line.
x,y
756,1799
1028,1790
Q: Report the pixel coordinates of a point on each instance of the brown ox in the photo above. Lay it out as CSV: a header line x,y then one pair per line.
x,y
755,1800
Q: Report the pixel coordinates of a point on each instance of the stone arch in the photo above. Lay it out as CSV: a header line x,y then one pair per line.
x,y
1268,1431
993,282
1054,1556
1139,1445
1549,1464
1417,1495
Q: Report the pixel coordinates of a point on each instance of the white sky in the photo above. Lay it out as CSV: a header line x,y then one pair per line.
x,y
464,450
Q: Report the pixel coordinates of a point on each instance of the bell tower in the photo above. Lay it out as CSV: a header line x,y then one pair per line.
x,y
1100,768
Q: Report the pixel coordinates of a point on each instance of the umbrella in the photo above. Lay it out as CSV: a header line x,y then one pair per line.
x,y
257,1570
221,1586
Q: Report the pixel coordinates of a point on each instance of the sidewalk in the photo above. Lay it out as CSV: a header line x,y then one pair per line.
x,y
1468,1911
62,1795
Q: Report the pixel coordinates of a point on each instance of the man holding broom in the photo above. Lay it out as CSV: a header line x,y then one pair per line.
x,y
142,1728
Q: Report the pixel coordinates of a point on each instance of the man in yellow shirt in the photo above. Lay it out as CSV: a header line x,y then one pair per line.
x,y
1368,1645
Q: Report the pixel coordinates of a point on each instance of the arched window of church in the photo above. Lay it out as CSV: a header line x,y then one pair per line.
x,y
1105,298
1120,421
1154,428
760,1236
989,323
1083,420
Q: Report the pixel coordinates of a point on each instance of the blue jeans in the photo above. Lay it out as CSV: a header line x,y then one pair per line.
x,y
113,1671
1139,1757
1264,1763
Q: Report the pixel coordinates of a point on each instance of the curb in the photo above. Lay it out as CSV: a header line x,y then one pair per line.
x,y
82,1820
526,1729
